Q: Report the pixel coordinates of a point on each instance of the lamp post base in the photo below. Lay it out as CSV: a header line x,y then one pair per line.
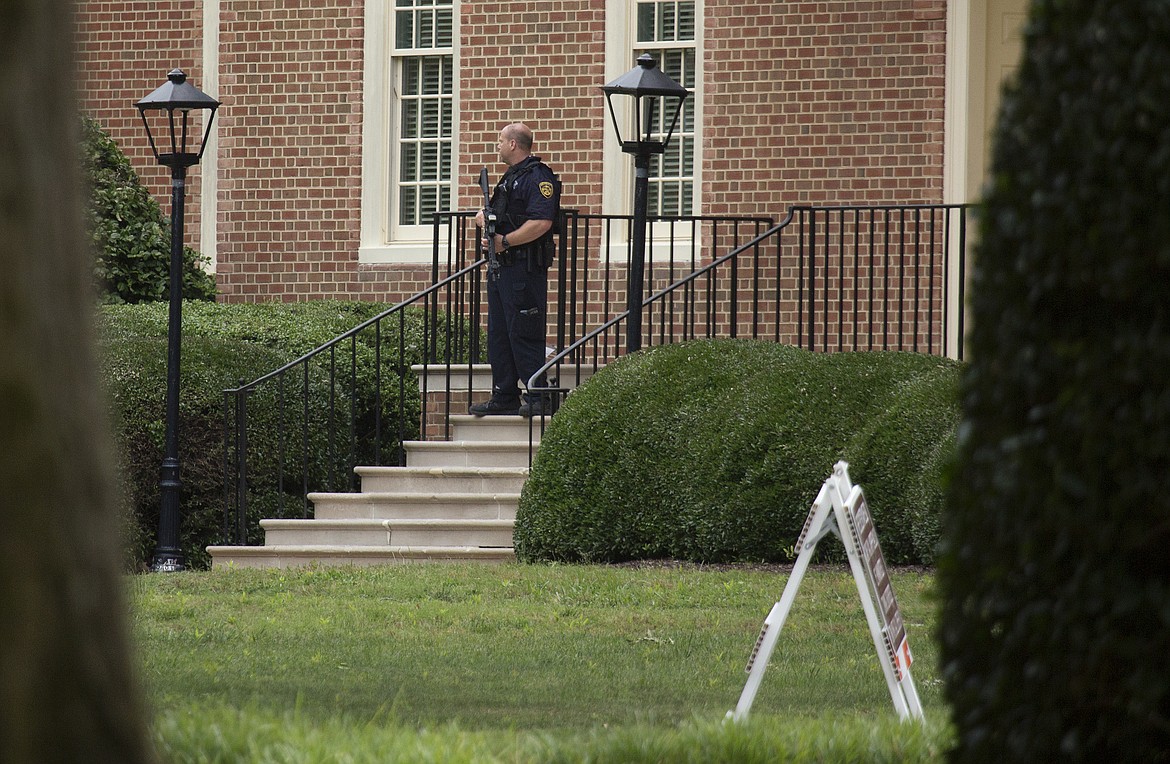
x,y
167,563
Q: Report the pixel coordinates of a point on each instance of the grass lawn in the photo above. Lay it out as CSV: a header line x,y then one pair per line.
x,y
521,663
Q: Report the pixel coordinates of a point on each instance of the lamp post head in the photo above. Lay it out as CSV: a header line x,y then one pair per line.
x,y
174,100
647,85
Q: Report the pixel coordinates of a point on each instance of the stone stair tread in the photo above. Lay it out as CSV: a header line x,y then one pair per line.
x,y
482,510
457,470
472,445
517,444
349,548
326,554
510,418
408,496
453,500
511,428
514,421
494,455
364,532
466,442
420,522
454,445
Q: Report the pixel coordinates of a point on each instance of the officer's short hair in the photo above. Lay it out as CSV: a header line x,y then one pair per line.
x,y
519,132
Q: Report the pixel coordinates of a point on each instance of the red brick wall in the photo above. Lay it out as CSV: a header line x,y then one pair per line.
x,y
289,130
822,103
124,51
290,175
538,63
804,102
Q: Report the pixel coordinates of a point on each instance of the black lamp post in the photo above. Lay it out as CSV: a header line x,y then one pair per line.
x,y
170,108
652,92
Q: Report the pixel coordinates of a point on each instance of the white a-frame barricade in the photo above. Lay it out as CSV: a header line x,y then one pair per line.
x,y
840,509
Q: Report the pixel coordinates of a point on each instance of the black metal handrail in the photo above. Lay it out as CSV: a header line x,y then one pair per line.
x,y
862,277
825,278
346,402
441,331
895,288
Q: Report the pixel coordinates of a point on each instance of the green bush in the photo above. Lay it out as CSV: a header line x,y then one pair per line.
x,y
222,345
713,451
1055,573
132,239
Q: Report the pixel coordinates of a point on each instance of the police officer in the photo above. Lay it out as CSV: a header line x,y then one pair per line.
x,y
526,202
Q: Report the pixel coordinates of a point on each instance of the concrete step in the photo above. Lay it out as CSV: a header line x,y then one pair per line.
x,y
455,500
479,381
465,453
433,480
415,506
401,533
513,428
334,555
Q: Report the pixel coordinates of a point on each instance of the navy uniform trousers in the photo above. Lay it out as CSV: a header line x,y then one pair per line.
x,y
518,298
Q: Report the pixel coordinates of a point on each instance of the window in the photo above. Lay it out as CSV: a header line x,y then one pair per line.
x,y
424,98
666,30
410,120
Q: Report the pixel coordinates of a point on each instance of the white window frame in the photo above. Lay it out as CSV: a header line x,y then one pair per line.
x,y
655,50
382,239
620,44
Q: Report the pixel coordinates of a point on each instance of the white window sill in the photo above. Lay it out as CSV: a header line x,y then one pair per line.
x,y
407,253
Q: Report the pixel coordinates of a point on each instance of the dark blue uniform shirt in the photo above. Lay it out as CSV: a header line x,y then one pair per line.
x,y
526,192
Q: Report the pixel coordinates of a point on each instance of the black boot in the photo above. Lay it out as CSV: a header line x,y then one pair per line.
x,y
494,407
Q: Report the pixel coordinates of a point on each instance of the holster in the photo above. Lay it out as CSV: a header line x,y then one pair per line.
x,y
544,252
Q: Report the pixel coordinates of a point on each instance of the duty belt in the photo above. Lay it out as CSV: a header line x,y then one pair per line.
x,y
510,255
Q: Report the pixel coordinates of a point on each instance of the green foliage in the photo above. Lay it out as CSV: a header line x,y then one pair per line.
x,y
132,239
222,345
1055,570
714,451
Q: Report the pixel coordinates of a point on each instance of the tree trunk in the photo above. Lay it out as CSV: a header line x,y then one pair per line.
x,y
67,687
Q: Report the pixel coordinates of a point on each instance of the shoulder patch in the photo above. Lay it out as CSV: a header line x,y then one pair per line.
x,y
546,189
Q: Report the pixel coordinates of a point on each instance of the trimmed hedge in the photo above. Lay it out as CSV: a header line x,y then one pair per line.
x,y
223,344
1055,624
131,237
713,451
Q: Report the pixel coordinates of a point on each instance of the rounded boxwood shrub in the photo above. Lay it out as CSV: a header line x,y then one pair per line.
x,y
222,345
1055,574
714,450
131,237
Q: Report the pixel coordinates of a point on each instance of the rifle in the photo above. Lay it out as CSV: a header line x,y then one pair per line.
x,y
489,223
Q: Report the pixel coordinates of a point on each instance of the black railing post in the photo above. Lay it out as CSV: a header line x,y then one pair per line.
x,y
873,254
228,475
281,440
841,279
812,278
241,465
403,370
378,392
856,271
901,279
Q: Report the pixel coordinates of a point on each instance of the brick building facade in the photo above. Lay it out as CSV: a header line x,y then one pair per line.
x,y
302,194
